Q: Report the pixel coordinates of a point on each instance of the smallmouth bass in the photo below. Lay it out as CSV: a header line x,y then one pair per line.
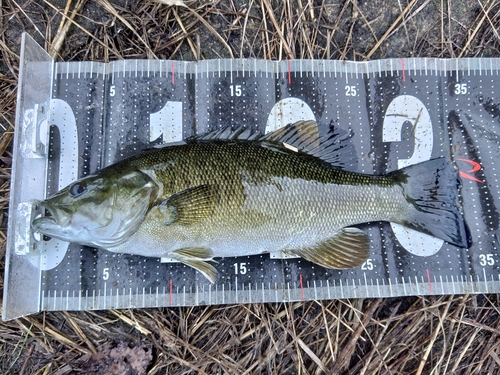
x,y
237,193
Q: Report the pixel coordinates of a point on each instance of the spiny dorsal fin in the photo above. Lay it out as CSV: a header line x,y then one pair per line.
x,y
331,146
227,134
189,206
346,249
303,135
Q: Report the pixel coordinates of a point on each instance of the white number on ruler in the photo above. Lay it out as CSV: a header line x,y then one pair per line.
x,y
402,109
61,116
112,91
167,122
486,260
287,111
460,88
350,91
235,90
240,268
105,273
368,265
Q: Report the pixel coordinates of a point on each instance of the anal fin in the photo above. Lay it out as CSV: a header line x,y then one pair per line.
x,y
200,253
196,257
346,249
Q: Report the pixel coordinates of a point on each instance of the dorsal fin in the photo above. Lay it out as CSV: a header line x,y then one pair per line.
x,y
332,146
228,134
303,135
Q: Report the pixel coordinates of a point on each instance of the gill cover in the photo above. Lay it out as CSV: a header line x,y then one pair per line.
x,y
102,210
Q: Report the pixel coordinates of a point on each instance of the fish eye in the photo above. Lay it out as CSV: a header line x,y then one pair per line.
x,y
78,189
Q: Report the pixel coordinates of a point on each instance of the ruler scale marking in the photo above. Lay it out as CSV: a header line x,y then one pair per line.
x,y
441,72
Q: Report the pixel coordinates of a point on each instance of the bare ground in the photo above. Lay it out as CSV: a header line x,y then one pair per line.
x,y
413,335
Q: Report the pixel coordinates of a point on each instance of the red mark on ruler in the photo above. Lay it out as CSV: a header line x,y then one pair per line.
x,y
475,167
302,288
404,74
429,280
173,72
289,73
170,294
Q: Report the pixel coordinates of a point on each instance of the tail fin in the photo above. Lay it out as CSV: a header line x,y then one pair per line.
x,y
432,188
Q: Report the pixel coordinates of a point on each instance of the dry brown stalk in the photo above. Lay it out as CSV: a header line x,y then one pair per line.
x,y
279,30
389,30
66,22
479,24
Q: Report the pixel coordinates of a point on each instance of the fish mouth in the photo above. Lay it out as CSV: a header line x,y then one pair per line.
x,y
52,221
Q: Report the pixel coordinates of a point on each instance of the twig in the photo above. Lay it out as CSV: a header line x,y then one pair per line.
x,y
21,350
344,52
345,355
212,30
476,29
79,331
111,9
76,24
190,42
131,322
34,25
493,27
64,27
245,23
384,37
423,361
278,29
25,364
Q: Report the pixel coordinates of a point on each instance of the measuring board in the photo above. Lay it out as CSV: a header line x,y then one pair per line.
x,y
75,118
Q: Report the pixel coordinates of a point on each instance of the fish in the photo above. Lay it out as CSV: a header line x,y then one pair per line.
x,y
236,192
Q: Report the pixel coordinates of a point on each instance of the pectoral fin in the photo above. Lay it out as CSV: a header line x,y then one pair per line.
x,y
346,249
196,257
189,206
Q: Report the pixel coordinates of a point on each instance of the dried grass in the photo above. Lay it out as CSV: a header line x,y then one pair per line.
x,y
413,335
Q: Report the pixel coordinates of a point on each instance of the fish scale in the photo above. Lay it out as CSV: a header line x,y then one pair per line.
x,y
214,171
